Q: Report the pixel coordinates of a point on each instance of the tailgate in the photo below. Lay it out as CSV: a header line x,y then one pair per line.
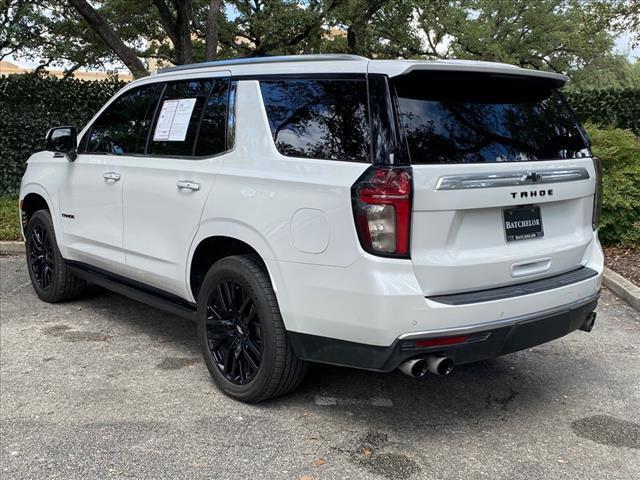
x,y
459,240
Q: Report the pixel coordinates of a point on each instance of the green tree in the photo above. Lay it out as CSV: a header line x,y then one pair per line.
x,y
569,36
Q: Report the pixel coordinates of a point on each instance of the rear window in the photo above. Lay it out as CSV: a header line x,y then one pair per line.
x,y
482,118
190,95
324,119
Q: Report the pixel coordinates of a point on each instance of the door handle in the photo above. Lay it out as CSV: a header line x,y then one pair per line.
x,y
111,176
188,185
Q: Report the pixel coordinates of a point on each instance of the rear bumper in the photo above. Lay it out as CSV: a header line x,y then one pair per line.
x,y
375,300
489,340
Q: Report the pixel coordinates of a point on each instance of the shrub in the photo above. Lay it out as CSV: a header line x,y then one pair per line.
x,y
9,219
620,153
608,108
30,105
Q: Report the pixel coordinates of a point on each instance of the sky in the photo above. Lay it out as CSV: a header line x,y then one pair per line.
x,y
622,46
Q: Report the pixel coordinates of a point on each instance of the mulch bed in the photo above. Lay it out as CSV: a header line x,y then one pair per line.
x,y
625,261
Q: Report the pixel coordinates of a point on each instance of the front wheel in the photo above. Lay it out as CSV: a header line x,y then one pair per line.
x,y
243,339
48,271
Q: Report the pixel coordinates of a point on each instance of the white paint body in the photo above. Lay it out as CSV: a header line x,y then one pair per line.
x,y
296,213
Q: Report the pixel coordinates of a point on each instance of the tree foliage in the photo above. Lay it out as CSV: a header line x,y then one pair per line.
x,y
574,37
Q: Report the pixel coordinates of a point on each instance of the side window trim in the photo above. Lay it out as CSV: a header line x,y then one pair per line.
x,y
153,119
230,131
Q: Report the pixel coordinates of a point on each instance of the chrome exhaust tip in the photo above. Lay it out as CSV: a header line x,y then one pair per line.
x,y
416,367
439,365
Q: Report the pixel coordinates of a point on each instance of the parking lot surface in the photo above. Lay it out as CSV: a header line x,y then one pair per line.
x,y
105,387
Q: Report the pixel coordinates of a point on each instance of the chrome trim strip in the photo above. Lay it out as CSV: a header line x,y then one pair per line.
x,y
478,327
511,179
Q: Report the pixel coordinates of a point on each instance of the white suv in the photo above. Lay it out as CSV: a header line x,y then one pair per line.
x,y
368,213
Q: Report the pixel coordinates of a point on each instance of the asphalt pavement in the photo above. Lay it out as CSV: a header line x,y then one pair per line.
x,y
105,387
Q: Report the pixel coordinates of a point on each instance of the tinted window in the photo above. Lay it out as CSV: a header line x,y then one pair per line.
x,y
189,97
318,118
213,127
468,118
123,127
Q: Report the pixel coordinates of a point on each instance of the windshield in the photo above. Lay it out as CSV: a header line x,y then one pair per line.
x,y
454,117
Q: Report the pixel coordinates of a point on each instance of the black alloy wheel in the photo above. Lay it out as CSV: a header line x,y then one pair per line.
x,y
41,256
48,270
234,334
242,336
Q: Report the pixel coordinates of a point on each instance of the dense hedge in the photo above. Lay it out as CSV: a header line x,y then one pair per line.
x,y
620,154
608,108
30,105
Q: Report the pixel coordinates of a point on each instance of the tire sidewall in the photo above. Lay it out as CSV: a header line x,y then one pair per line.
x,y
233,268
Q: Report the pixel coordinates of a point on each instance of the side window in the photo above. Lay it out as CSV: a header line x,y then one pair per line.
x,y
315,118
178,116
123,127
213,127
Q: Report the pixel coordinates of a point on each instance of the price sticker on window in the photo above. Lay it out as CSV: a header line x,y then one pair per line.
x,y
173,121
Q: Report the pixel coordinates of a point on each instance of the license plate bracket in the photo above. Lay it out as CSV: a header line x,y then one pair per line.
x,y
522,223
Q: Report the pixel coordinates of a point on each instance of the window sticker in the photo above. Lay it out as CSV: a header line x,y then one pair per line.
x,y
173,121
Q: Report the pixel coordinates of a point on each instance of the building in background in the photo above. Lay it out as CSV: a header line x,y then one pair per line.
x,y
9,68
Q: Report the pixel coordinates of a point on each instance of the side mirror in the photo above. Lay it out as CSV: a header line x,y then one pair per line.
x,y
63,140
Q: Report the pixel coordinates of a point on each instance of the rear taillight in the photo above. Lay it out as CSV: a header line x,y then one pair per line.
x,y
381,200
597,196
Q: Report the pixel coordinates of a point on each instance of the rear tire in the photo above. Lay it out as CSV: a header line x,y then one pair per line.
x,y
241,333
48,271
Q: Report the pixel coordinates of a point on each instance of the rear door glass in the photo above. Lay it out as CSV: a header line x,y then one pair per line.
x,y
317,118
213,127
484,118
179,112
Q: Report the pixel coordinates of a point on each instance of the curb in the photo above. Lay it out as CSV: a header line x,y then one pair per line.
x,y
622,287
11,248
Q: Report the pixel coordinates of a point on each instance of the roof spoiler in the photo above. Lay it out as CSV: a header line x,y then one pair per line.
x,y
398,68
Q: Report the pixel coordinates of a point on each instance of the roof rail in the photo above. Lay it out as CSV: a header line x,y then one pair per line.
x,y
262,60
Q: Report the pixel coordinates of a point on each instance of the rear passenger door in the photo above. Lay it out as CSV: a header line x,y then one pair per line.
x,y
165,190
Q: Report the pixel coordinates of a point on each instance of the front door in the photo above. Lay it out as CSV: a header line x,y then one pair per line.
x,y
91,194
91,210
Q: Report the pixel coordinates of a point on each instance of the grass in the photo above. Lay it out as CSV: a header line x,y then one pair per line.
x,y
9,219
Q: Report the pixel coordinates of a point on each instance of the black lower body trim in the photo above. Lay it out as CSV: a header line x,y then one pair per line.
x,y
481,345
510,291
136,290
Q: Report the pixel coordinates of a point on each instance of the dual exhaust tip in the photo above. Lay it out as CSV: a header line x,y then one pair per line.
x,y
419,367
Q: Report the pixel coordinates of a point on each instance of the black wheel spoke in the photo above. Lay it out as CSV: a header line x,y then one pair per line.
x,y
212,314
233,332
222,298
230,360
251,346
41,256
248,356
